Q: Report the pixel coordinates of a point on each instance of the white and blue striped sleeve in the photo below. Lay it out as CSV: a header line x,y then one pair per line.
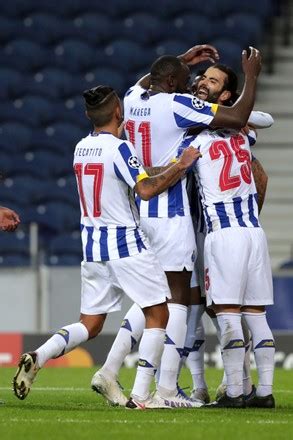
x,y
251,137
190,111
127,166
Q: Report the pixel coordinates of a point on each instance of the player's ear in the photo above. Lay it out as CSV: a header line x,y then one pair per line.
x,y
87,115
171,82
225,95
118,113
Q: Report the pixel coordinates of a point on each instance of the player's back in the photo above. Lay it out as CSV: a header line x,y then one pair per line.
x,y
105,173
225,179
156,124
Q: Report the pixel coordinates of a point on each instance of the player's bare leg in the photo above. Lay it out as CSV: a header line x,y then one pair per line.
x,y
264,351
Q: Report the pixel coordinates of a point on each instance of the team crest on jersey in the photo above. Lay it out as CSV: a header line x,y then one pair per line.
x,y
198,103
133,162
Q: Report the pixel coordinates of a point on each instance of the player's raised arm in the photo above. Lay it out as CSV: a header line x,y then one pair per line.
x,y
149,187
237,115
200,53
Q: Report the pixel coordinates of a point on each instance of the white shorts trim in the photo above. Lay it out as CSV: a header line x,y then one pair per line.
x,y
140,277
172,240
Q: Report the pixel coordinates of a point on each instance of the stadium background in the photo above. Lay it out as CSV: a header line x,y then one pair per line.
x,y
50,52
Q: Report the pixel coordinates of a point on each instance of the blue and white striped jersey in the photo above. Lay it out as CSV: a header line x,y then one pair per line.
x,y
107,170
225,179
156,124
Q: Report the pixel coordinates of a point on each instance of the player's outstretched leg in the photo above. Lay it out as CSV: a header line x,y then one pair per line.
x,y
105,380
65,340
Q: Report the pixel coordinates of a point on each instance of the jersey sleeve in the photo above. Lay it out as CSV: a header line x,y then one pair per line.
x,y
127,166
251,137
190,111
260,119
184,144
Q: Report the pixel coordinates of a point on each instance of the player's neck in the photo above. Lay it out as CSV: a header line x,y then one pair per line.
x,y
109,128
156,88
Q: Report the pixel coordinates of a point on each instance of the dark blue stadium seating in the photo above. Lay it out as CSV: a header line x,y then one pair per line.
x,y
73,55
14,136
24,55
11,83
65,250
145,28
44,28
96,28
193,28
52,51
14,249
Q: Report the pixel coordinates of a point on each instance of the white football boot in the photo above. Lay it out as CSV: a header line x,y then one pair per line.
x,y
178,400
108,388
200,395
25,374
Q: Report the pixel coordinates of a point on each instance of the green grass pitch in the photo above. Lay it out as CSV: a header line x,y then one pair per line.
x,y
62,406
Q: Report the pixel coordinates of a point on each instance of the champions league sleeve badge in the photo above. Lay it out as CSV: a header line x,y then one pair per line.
x,y
133,162
198,103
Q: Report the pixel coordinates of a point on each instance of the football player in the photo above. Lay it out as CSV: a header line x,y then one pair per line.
x,y
117,257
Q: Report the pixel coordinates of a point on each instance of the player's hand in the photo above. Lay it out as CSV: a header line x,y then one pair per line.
x,y
251,64
200,53
188,157
245,130
9,220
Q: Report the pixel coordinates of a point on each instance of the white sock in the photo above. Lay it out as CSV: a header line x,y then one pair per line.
x,y
173,348
264,351
233,351
65,340
194,314
216,324
247,382
195,359
129,333
150,351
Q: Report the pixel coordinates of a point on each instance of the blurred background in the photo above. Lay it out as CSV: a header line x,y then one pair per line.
x,y
50,52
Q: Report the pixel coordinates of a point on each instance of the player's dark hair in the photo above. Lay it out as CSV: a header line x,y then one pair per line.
x,y
164,66
231,83
100,103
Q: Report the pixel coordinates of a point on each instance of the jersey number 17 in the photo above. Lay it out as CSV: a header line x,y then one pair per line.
x,y
90,169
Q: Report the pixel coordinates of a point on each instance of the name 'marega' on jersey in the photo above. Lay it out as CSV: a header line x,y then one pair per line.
x,y
107,170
